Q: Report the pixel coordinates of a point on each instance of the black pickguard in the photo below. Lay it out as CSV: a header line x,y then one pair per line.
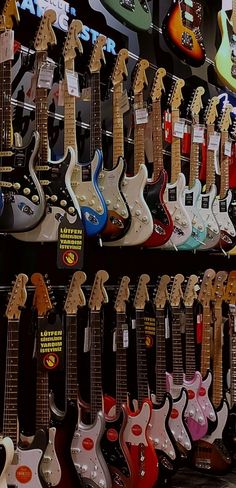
x,y
232,208
152,194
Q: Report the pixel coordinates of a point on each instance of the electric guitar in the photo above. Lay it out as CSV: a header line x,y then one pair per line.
x,y
19,209
210,454
20,465
154,190
55,176
133,187
85,175
225,59
110,180
173,195
133,13
86,449
207,198
223,200
193,191
181,30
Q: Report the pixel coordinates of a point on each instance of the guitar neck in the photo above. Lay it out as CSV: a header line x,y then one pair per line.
x,y
5,112
118,125
71,358
95,116
95,364
224,166
142,374
194,157
206,340
139,151
175,149
157,138
10,409
178,369
210,166
69,113
41,111
190,353
42,419
217,391
121,361
160,356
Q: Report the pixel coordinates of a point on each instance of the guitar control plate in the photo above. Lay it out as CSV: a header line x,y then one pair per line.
x,y
187,40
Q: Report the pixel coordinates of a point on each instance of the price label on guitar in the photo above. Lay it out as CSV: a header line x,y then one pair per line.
x,y
141,116
198,134
178,130
228,148
72,80
7,46
45,76
50,343
214,142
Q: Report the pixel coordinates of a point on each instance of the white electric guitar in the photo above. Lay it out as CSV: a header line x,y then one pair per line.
x,y
173,195
132,187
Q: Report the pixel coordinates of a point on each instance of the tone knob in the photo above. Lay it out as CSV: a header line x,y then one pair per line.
x,y
84,468
232,233
200,419
71,210
101,188
93,474
63,203
215,230
172,454
177,217
91,202
26,191
200,227
54,198
144,219
101,483
35,198
187,445
180,438
194,221
156,441
184,223
138,212
211,415
123,212
82,198
116,206
191,413
99,208
108,202
16,186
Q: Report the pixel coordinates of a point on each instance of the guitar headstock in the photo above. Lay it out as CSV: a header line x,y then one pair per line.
x,y
73,41
75,295
41,301
158,85
211,111
45,34
10,14
196,103
176,94
225,119
162,294
140,79
17,298
176,293
97,54
122,295
230,289
205,293
190,293
141,295
98,294
120,69
218,290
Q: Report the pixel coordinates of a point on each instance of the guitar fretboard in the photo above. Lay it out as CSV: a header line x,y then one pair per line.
x,y
139,151
118,125
232,361
142,374
194,156
5,106
121,361
224,166
175,149
95,364
95,118
10,410
177,348
157,138
217,391
69,114
71,358
41,112
190,352
206,340
210,166
160,356
42,394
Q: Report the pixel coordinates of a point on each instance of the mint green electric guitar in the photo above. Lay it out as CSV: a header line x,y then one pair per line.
x,y
133,13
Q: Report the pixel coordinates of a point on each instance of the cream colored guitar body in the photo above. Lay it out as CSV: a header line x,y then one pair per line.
x,y
7,453
227,49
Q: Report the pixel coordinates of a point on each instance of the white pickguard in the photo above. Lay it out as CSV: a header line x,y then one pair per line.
x,y
87,456
205,203
157,431
176,423
223,218
193,408
193,210
85,191
141,419
109,185
182,222
203,398
8,446
24,466
50,468
141,218
222,416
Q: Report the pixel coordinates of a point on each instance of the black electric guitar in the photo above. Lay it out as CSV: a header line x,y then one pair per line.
x,y
22,194
181,30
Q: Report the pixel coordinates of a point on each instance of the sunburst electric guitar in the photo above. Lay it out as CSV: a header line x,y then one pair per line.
x,y
225,59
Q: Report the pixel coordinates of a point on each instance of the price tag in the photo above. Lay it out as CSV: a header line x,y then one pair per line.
x,y
168,127
45,76
167,328
87,339
7,45
32,90
86,94
61,93
198,134
124,102
214,142
141,116
227,4
217,161
114,348
125,336
228,148
179,129
133,322
72,80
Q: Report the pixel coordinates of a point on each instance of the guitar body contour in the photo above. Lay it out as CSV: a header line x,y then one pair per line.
x,y
84,183
186,43
133,13
203,398
24,206
223,59
198,235
6,457
205,203
176,421
119,217
227,230
141,218
232,215
162,221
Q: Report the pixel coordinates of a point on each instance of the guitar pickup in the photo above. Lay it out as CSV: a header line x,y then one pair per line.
x,y
189,3
129,4
6,154
6,169
189,17
44,182
42,168
6,184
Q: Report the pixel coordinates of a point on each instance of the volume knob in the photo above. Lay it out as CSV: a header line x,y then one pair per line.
x,y
35,198
71,210
54,198
16,186
26,191
63,203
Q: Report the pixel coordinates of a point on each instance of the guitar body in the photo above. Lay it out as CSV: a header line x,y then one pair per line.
x,y
162,221
232,215
87,455
210,454
119,217
225,56
141,218
203,398
227,230
181,220
6,457
23,196
50,468
25,467
159,431
186,42
230,436
198,235
133,13
206,211
141,449
84,183
176,421
58,190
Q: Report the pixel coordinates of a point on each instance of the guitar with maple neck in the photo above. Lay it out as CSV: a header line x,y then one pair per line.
x,y
225,59
110,180
54,176
22,201
133,187
154,190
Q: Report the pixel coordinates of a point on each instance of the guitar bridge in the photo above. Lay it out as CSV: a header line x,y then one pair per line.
x,y
187,41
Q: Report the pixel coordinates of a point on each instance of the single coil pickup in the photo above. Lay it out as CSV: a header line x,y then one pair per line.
x,y
42,168
6,184
6,169
45,182
6,154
